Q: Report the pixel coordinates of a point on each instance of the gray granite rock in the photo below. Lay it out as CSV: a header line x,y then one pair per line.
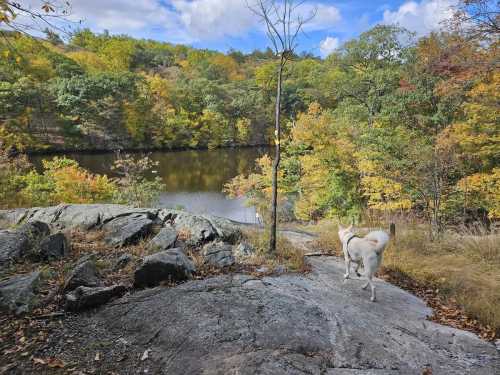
x,y
195,230
18,293
54,246
218,254
12,247
291,324
167,265
84,274
84,297
164,240
21,242
199,229
127,230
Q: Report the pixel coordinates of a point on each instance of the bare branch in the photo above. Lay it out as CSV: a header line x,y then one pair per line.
x,y
51,14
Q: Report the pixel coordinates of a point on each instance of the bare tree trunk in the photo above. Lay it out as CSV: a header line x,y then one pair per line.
x,y
276,161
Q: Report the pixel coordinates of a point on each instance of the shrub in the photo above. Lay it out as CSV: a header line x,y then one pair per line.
x,y
134,187
63,180
11,167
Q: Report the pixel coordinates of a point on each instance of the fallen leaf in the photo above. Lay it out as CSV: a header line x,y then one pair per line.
x,y
39,361
97,356
55,363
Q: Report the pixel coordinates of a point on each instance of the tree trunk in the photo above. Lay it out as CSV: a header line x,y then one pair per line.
x,y
276,161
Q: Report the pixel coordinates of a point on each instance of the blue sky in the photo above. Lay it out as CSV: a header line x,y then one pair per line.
x,y
225,24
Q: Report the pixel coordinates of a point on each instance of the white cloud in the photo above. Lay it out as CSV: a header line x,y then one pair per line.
x,y
423,17
328,45
136,17
212,19
325,16
184,21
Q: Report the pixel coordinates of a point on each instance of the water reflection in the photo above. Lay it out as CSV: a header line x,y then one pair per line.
x,y
194,179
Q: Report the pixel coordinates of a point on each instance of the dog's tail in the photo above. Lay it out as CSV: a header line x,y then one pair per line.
x,y
380,238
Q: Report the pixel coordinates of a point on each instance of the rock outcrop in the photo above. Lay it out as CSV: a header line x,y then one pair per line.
x,y
17,294
168,265
235,323
126,224
292,324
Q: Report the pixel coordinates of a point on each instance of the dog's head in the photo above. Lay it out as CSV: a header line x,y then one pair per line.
x,y
343,231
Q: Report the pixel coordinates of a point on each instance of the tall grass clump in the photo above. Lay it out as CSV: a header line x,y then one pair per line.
x,y
286,253
463,264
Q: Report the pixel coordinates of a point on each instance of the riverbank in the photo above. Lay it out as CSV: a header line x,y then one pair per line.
x,y
139,149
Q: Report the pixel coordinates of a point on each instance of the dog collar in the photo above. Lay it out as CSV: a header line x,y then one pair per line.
x,y
349,240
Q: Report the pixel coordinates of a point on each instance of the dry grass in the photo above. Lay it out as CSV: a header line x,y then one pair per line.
x,y
287,255
463,266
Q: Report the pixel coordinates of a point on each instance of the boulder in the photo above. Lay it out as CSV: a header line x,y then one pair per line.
x,y
198,229
167,265
122,262
34,230
243,249
218,254
17,294
54,247
15,244
194,230
226,230
127,230
84,297
164,240
12,246
84,274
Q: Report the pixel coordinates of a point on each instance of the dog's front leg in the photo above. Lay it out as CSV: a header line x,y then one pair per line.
x,y
347,267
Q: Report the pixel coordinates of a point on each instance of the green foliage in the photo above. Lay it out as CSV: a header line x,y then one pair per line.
x,y
11,168
386,123
404,126
64,181
134,186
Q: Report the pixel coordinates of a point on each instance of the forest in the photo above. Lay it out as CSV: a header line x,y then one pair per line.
x,y
393,125
105,92
388,122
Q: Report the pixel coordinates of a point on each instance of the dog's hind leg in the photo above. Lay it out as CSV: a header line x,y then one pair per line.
x,y
358,264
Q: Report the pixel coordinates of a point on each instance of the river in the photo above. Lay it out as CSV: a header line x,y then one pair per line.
x,y
194,179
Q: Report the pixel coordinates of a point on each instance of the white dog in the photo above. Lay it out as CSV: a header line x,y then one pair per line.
x,y
368,249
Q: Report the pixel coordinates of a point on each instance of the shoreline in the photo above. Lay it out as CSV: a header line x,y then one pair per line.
x,y
135,150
